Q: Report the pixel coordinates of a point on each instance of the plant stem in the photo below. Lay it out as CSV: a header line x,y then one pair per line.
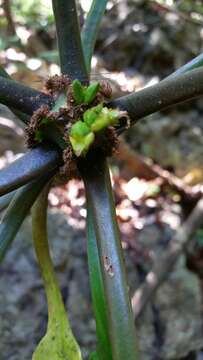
x,y
69,41
23,117
97,290
6,199
91,28
192,64
17,211
22,97
58,341
95,174
159,97
30,166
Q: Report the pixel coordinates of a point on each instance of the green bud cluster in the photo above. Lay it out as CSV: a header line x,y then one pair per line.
x,y
96,119
84,94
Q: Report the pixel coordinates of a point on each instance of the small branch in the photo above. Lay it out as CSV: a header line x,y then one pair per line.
x,y
22,97
145,168
17,211
91,28
69,41
158,97
164,265
30,166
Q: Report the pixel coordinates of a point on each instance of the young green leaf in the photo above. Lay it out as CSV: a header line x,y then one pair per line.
x,y
81,145
78,92
79,130
38,136
106,117
91,92
91,115
81,138
59,342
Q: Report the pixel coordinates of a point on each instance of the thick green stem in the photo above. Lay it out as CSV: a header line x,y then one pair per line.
x,y
91,28
59,342
69,41
97,290
32,165
120,319
21,97
6,199
158,97
17,211
23,117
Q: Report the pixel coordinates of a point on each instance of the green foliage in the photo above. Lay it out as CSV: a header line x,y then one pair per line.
x,y
84,94
91,92
33,13
59,342
199,237
78,91
81,138
95,120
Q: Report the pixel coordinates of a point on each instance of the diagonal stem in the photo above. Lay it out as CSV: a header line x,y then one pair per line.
x,y
158,97
69,41
17,211
22,116
33,164
162,268
22,97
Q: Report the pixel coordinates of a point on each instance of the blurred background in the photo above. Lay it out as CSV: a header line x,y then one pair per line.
x,y
157,177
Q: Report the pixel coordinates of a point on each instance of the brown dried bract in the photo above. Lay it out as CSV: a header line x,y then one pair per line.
x,y
105,89
34,124
107,142
57,84
69,170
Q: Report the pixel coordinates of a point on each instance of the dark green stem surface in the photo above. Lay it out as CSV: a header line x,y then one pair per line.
x,y
17,211
97,290
120,319
22,97
33,164
69,41
158,97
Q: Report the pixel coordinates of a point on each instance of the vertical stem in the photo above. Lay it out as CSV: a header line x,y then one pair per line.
x,y
97,290
120,317
69,41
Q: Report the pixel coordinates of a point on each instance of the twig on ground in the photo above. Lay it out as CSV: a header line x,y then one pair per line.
x,y
163,266
143,167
